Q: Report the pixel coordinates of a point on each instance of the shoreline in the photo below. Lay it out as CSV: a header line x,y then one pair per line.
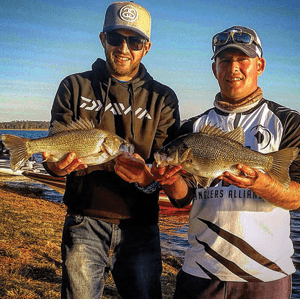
x,y
23,129
30,237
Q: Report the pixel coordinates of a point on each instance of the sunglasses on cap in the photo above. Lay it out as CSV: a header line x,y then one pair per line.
x,y
134,43
238,37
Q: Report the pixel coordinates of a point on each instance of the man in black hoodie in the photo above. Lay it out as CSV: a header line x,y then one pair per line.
x,y
112,218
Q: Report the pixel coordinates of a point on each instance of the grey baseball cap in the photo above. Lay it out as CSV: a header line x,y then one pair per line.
x,y
252,49
128,15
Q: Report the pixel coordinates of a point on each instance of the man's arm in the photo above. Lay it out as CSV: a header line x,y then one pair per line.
x,y
133,169
266,187
174,185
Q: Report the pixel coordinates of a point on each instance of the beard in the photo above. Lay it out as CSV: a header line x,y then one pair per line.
x,y
121,69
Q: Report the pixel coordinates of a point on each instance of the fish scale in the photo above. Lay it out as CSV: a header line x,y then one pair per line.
x,y
86,141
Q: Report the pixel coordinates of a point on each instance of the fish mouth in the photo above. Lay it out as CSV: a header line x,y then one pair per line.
x,y
127,148
161,160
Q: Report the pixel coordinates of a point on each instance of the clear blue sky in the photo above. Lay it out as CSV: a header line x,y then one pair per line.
x,y
42,41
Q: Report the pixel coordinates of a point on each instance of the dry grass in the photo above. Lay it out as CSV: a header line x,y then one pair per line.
x,y
30,235
29,246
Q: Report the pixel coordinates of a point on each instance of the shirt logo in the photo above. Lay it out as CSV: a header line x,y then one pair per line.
x,y
90,105
128,13
114,108
262,135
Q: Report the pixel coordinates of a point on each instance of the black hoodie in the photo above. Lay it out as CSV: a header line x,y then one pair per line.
x,y
142,111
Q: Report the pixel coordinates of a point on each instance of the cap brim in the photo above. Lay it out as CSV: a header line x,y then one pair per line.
x,y
134,29
246,50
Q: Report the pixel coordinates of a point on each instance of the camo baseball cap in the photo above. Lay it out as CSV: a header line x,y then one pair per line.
x,y
128,15
245,40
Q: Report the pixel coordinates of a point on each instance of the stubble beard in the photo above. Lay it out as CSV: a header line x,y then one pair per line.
x,y
119,70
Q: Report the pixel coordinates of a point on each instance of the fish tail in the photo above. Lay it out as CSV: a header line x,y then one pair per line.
x,y
17,147
281,163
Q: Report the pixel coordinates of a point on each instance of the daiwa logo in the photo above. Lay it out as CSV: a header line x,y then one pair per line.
x,y
114,108
90,104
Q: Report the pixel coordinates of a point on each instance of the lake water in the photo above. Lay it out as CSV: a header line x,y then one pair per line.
x,y
173,224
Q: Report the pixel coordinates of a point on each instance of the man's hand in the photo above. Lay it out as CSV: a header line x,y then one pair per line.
x,y
266,187
166,175
67,165
133,169
171,181
246,180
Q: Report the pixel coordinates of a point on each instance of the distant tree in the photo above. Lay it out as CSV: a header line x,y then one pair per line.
x,y
25,125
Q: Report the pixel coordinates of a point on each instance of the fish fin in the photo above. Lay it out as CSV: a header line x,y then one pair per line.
x,y
281,163
188,154
81,124
211,130
204,182
237,134
189,179
17,149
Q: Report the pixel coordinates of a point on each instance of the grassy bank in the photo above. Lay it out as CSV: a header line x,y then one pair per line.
x,y
30,235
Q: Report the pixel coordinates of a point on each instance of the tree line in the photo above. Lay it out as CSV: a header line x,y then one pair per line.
x,y
25,125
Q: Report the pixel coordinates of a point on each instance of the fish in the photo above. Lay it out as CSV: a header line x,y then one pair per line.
x,y
210,152
93,146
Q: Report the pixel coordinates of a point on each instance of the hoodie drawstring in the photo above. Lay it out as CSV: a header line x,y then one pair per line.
x,y
105,97
131,101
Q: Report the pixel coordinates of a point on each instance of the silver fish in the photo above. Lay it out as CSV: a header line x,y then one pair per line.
x,y
211,152
93,146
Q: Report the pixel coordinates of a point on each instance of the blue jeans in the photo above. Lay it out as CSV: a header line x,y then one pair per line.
x,y
91,248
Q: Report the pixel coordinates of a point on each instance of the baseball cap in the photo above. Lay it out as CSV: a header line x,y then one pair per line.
x,y
242,38
128,15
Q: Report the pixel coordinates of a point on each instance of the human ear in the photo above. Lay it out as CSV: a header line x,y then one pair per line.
x,y
214,69
146,49
261,64
102,39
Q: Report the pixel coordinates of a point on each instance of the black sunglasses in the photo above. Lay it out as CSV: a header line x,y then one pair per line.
x,y
134,43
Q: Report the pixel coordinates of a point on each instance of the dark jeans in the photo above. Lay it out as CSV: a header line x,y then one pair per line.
x,y
91,247
192,287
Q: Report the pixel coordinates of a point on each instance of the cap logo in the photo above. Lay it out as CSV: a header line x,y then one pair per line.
x,y
128,13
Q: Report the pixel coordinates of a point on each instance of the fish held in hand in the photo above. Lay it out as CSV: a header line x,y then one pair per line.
x,y
93,146
210,152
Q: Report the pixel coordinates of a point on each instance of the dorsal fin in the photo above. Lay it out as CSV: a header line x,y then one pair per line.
x,y
81,124
211,130
237,134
